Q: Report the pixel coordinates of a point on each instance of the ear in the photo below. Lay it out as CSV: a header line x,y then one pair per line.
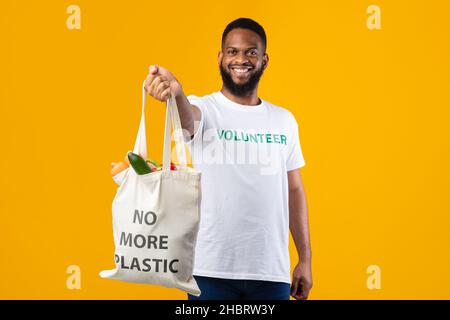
x,y
219,57
265,60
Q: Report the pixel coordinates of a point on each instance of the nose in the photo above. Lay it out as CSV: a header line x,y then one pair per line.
x,y
241,58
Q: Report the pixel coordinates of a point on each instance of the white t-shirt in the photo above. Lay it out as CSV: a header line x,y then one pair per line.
x,y
244,153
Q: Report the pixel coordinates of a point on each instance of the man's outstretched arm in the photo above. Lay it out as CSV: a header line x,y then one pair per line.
x,y
299,226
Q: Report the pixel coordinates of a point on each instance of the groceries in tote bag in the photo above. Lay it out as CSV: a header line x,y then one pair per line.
x,y
156,213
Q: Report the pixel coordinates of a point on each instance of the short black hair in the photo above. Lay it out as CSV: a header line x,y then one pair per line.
x,y
246,23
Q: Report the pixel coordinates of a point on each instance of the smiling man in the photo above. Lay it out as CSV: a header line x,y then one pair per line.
x,y
249,153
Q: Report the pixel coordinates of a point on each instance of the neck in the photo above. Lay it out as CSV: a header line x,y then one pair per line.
x,y
250,99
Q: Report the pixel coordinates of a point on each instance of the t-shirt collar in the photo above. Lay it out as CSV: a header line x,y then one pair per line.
x,y
229,103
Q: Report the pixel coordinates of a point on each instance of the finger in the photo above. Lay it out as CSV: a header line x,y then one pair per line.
x,y
113,164
304,292
165,94
303,296
161,87
149,81
294,287
297,294
153,69
155,84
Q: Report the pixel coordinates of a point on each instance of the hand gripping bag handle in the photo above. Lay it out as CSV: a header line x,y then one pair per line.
x,y
140,146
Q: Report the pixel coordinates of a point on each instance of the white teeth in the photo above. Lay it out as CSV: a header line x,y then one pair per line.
x,y
241,70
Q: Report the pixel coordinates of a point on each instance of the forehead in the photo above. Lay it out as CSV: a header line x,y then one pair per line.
x,y
242,38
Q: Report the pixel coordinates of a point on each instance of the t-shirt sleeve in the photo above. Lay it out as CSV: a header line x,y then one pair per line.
x,y
294,159
197,101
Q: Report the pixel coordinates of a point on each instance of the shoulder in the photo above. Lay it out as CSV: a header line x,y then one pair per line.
x,y
201,101
283,114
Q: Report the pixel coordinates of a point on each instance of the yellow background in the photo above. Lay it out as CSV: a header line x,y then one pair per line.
x,y
373,109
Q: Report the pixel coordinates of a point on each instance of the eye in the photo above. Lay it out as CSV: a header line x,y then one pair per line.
x,y
252,53
231,51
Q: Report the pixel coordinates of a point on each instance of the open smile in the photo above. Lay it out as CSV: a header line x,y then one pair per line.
x,y
241,70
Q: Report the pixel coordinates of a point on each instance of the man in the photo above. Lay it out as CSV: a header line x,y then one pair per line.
x,y
249,153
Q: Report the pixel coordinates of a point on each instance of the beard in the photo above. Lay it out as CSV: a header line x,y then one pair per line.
x,y
240,90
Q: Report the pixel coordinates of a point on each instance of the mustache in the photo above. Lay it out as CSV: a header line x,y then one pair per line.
x,y
241,65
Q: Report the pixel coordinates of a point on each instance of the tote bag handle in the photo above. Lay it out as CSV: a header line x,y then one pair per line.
x,y
140,146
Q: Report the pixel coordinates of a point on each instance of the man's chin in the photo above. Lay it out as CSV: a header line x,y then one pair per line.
x,y
240,82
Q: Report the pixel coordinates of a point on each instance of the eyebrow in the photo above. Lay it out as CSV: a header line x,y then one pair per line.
x,y
231,47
